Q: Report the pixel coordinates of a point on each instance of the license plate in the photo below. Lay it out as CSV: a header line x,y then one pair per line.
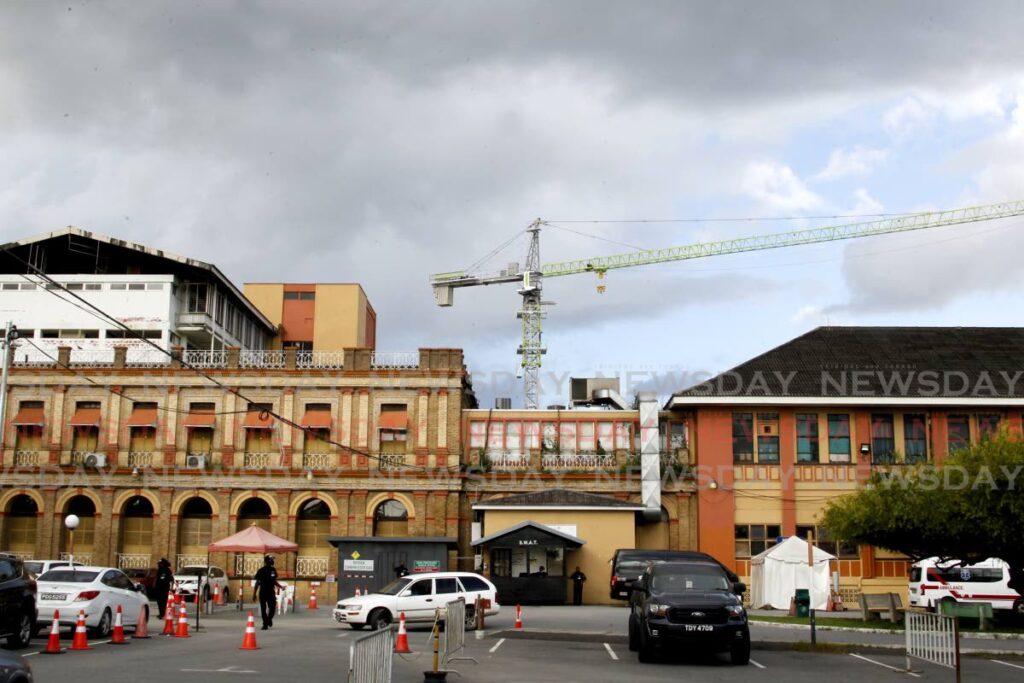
x,y
698,627
57,597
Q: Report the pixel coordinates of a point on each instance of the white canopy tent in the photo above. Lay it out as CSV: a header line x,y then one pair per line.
x,y
777,573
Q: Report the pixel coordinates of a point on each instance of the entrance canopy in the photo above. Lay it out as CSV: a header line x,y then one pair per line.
x,y
253,540
530,533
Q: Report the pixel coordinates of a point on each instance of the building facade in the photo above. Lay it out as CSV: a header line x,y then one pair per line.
x,y
317,317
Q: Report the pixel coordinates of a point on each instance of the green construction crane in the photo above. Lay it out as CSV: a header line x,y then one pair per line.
x,y
531,277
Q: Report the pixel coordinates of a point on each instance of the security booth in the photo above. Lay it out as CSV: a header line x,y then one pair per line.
x,y
373,562
528,563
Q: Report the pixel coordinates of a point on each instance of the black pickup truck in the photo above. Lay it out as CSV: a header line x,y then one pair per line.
x,y
688,605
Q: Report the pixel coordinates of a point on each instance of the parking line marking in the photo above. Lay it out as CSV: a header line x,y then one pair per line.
x,y
1015,666
611,652
759,665
891,668
497,645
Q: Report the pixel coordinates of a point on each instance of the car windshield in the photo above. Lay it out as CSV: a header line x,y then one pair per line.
x,y
690,579
631,567
68,576
192,571
395,587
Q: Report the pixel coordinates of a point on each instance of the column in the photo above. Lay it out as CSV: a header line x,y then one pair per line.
x,y
170,422
441,452
422,423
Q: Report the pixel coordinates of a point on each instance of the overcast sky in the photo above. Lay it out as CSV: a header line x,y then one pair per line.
x,y
382,142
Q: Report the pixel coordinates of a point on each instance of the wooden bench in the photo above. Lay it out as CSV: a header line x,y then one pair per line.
x,y
875,605
982,611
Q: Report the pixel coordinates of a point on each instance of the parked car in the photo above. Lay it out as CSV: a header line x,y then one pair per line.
x,y
189,580
14,668
38,567
688,605
17,601
145,578
97,591
628,564
417,596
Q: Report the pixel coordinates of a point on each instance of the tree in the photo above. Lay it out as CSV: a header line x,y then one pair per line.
x,y
970,508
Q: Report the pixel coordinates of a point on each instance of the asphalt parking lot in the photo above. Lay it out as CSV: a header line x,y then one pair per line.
x,y
311,645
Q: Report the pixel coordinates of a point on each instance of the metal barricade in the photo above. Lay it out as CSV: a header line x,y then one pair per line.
x,y
454,629
933,638
369,657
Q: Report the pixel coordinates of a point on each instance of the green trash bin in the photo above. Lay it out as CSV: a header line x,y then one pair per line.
x,y
803,602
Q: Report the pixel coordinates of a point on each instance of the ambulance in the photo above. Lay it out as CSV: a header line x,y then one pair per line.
x,y
933,581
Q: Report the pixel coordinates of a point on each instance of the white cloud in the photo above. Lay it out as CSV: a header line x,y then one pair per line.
x,y
865,203
859,161
809,313
776,186
904,119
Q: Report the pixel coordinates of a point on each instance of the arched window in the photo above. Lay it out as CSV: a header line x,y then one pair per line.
x,y
136,534
195,529
390,519
20,529
254,511
313,526
86,531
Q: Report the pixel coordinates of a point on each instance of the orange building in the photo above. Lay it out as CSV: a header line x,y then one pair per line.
x,y
779,436
316,317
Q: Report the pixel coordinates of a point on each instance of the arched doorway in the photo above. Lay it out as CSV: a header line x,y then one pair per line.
x,y
312,527
21,523
195,532
135,547
85,534
391,519
254,511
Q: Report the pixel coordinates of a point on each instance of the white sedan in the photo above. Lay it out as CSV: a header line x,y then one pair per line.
x,y
189,579
97,591
419,597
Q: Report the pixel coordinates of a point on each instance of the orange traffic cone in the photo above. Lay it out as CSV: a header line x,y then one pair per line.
x,y
402,641
118,636
168,620
142,625
182,631
519,617
312,598
222,598
53,644
216,595
249,641
80,642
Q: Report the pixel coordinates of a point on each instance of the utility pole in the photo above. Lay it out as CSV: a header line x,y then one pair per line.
x,y
10,334
810,587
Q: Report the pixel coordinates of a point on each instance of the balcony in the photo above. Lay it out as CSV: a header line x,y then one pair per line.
x,y
312,565
260,461
141,459
318,461
505,462
28,458
80,558
395,360
133,561
576,461
246,565
192,561
265,360
391,461
320,360
205,359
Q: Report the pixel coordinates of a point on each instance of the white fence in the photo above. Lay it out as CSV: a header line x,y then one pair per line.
x,y
133,561
933,638
395,360
369,657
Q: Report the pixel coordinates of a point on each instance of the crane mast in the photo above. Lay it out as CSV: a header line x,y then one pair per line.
x,y
532,277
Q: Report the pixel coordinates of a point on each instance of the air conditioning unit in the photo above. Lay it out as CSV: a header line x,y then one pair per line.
x,y
95,460
195,462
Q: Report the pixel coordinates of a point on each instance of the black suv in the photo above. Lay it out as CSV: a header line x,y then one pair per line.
x,y
17,602
688,605
628,564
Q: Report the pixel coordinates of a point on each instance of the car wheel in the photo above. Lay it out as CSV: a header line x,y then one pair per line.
x,y
645,648
23,636
739,653
357,627
379,618
634,645
102,629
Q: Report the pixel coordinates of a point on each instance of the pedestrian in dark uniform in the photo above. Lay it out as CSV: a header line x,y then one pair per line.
x,y
162,584
578,578
401,570
267,587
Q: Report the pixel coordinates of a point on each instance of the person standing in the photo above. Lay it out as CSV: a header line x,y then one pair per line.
x,y
162,584
266,585
578,579
401,570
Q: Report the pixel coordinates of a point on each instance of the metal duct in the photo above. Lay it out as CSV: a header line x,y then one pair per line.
x,y
650,457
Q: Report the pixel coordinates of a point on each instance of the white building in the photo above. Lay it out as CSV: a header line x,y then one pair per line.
x,y
167,299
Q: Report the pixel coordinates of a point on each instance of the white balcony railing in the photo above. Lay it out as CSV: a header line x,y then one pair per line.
x,y
81,558
94,358
191,561
146,357
575,461
395,360
268,360
141,459
311,565
391,461
318,461
320,360
28,458
205,358
259,461
133,560
508,461
247,565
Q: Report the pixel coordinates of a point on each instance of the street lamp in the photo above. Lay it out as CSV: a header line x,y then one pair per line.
x,y
71,522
